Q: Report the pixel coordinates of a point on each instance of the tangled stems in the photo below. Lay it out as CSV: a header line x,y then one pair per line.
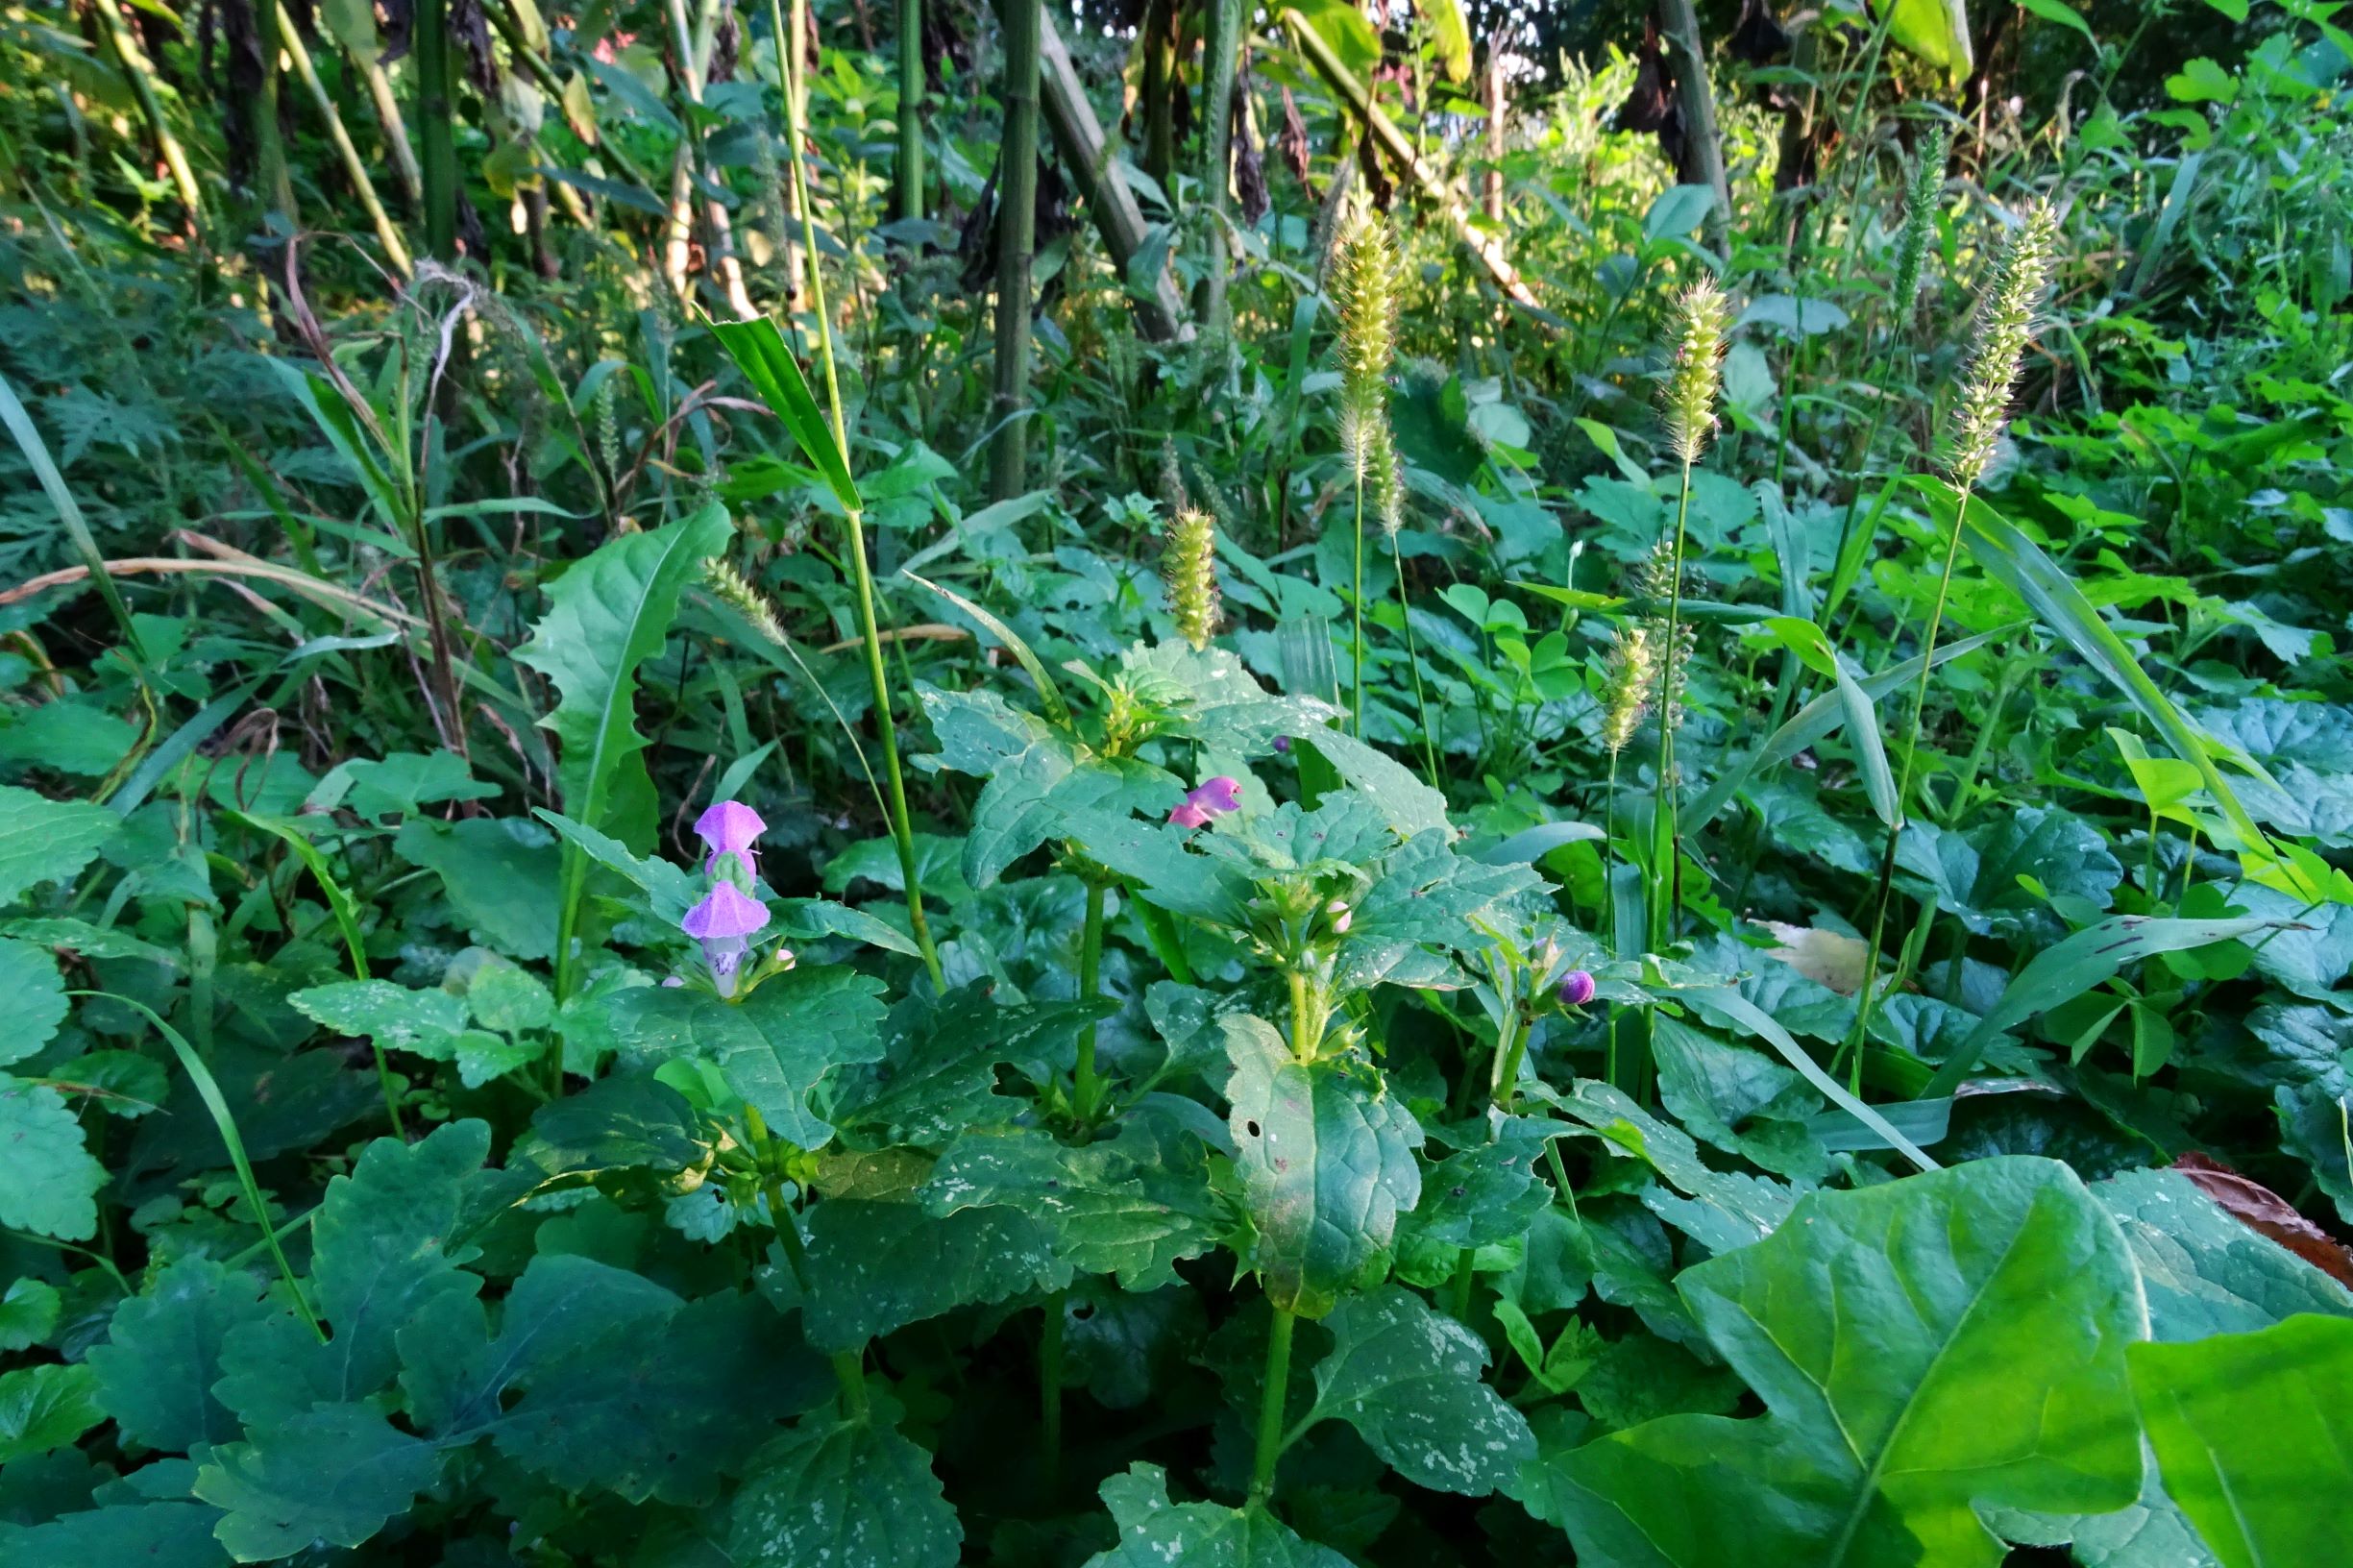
x,y
902,829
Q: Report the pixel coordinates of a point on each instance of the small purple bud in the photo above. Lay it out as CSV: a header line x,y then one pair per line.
x,y
729,827
721,923
1282,744
1189,815
1576,988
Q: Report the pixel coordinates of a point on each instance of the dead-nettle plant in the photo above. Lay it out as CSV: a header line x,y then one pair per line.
x,y
2005,320
1687,400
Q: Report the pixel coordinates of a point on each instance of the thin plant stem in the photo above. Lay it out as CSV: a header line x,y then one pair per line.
x,y
1903,792
902,829
1665,836
1356,709
1413,662
1270,1405
1087,1090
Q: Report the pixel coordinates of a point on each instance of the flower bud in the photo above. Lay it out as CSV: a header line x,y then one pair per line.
x,y
1576,989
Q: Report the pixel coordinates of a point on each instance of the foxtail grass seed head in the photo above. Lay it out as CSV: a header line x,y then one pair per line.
x,y
1634,670
1656,580
2005,319
1696,372
1920,215
1189,567
736,592
1367,287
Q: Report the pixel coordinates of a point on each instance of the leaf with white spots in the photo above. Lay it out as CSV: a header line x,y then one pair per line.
x,y
1155,1532
1407,1379
843,1494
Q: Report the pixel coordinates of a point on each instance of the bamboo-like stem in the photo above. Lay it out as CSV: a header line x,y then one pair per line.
x,y
1016,204
436,139
1680,25
1159,89
1078,137
270,148
911,83
398,149
1228,19
1416,170
902,829
354,168
140,72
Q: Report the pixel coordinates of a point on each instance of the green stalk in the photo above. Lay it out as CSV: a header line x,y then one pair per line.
x,y
1664,834
910,109
354,168
1089,1090
869,632
1016,236
131,60
1227,21
1413,662
436,139
1270,1405
1903,792
270,149
1355,708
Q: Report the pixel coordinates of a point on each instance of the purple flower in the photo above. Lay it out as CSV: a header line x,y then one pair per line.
x,y
721,923
1282,744
729,827
1576,988
1211,798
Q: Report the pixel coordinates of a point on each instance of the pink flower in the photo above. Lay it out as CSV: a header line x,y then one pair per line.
x,y
722,923
1576,989
1211,798
729,827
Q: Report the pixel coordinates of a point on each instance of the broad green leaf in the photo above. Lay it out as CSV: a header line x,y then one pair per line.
x,y
388,1242
35,998
759,351
1404,801
1327,1161
1978,874
2063,13
1482,1195
163,1354
1811,644
936,1075
332,1475
46,1407
671,891
876,1266
405,780
848,1494
2253,1434
1924,1348
395,1016
1155,1532
660,1409
1158,859
1937,31
616,1123
28,1314
48,1181
774,1046
1030,796
1210,695
2204,1272
1409,1381
149,1535
1049,694
1723,1209
2063,972
46,841
1132,1206
1728,1004
606,616
500,873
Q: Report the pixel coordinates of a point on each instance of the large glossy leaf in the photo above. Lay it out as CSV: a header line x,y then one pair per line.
x,y
2253,1434
333,1476
163,1354
772,1047
1409,1381
606,616
1937,31
1922,1348
1155,1532
849,1494
2205,1272
876,1266
1326,1156
388,1240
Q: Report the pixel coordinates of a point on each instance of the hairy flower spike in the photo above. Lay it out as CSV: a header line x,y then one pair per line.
x,y
1190,568
734,590
1634,670
1701,316
2005,319
1367,290
1655,580
1920,215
